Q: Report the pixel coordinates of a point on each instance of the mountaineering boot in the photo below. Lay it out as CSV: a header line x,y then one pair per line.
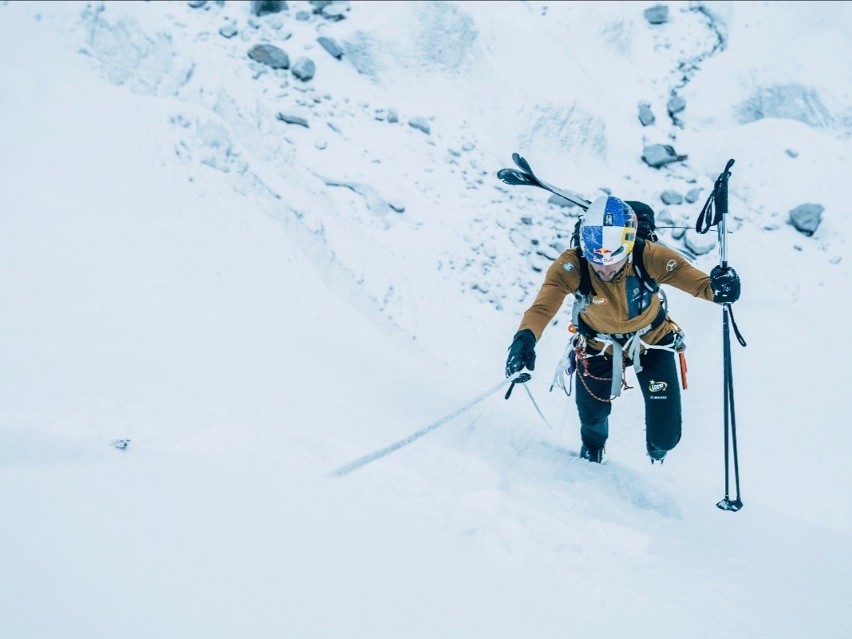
x,y
593,435
656,454
594,455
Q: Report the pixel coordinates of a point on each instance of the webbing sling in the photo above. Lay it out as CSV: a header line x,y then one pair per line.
x,y
631,343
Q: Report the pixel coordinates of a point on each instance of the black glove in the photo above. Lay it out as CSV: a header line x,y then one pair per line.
x,y
725,284
521,352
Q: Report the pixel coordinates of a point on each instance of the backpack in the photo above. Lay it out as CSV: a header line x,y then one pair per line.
x,y
645,232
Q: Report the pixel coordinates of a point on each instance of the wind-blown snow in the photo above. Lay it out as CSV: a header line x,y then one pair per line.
x,y
254,304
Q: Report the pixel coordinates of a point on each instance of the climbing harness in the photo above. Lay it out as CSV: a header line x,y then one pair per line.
x,y
577,353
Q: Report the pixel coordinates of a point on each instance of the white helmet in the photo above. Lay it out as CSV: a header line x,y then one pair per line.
x,y
608,231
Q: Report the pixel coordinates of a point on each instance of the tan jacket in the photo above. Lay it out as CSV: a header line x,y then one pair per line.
x,y
622,305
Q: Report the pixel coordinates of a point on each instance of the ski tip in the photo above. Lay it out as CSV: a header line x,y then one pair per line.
x,y
519,160
514,177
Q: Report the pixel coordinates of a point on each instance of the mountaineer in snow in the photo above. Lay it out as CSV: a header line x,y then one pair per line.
x,y
619,320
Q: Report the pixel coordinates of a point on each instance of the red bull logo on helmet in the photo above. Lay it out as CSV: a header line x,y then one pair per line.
x,y
608,231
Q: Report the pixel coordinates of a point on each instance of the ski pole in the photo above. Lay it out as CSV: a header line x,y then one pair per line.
x,y
714,214
730,422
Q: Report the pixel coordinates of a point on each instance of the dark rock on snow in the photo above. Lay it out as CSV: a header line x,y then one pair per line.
x,y
228,31
263,7
692,195
657,155
292,119
676,104
421,124
270,55
646,116
806,217
330,45
658,14
670,196
304,69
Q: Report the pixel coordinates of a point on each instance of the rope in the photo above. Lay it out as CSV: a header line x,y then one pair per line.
x,y
532,399
581,359
378,454
619,382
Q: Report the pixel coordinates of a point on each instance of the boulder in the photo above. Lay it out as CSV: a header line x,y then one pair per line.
x,y
658,155
421,124
699,243
228,31
670,196
806,217
292,119
270,55
675,105
646,116
693,194
264,7
304,69
658,14
330,45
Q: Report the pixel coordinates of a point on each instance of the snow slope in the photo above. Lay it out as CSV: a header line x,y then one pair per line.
x,y
254,304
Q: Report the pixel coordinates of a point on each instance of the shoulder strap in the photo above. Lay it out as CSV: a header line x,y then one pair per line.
x,y
639,265
585,281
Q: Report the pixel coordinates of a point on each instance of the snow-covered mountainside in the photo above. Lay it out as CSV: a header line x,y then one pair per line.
x,y
577,122
246,243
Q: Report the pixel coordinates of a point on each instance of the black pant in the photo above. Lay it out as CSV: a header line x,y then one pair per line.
x,y
660,388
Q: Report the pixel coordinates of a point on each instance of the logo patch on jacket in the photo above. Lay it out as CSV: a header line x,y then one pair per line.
x,y
671,265
656,387
638,297
568,266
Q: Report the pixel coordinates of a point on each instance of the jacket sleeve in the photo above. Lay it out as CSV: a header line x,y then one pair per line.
x,y
667,266
562,278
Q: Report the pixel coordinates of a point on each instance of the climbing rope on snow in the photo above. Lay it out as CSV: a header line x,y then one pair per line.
x,y
387,450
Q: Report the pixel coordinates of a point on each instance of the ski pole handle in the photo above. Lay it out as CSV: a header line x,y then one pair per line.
x,y
520,379
720,197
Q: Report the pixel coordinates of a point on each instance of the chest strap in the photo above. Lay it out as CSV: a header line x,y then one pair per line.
x,y
590,333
